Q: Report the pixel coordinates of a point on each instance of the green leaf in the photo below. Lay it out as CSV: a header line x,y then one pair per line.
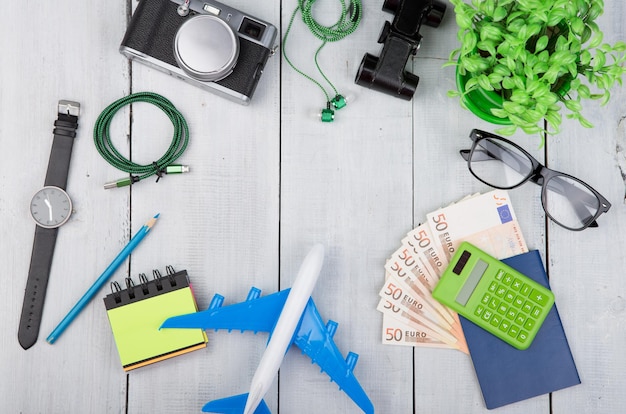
x,y
507,130
541,44
561,44
471,84
586,35
573,106
517,120
547,99
585,57
495,78
500,113
488,46
556,15
577,25
469,41
531,129
512,107
489,7
597,39
595,11
520,97
599,60
499,13
516,25
582,6
483,82
508,83
584,122
532,86
619,46
502,70
553,118
463,21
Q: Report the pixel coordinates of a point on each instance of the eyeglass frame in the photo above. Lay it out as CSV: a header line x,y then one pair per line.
x,y
539,174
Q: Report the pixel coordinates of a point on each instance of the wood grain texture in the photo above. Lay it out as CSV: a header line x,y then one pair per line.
x,y
267,181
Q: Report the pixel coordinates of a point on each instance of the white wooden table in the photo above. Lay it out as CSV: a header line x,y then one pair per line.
x,y
268,181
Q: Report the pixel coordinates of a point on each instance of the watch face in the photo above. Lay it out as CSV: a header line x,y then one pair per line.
x,y
51,207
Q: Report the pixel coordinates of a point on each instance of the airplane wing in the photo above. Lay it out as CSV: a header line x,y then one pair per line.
x,y
233,405
315,339
254,314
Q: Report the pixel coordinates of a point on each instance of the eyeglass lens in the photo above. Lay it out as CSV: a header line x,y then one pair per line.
x,y
499,164
568,201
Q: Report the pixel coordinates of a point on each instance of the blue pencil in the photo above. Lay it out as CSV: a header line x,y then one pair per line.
x,y
137,238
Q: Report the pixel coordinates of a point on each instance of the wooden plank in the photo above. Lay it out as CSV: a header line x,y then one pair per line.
x,y
586,267
346,184
219,221
56,51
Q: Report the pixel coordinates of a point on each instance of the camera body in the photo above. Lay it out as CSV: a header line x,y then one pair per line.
x,y
204,43
401,39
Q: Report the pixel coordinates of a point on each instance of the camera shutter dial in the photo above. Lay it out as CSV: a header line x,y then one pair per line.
x,y
206,48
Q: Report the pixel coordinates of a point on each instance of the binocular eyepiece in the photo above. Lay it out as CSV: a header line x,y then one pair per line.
x,y
401,39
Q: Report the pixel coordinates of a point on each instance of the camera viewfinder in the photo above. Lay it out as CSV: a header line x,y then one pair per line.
x,y
251,28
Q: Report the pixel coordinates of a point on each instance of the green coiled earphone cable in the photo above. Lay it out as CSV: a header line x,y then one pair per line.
x,y
351,12
138,172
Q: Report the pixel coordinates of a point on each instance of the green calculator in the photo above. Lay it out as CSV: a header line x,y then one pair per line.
x,y
494,296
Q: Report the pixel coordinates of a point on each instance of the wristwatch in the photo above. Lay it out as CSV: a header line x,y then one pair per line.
x,y
50,207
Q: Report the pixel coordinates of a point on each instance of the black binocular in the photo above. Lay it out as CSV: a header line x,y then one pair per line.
x,y
400,39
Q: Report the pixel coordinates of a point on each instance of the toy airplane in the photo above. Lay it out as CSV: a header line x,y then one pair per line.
x,y
290,317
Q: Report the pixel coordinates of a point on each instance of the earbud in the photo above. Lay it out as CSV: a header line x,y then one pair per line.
x,y
339,101
327,114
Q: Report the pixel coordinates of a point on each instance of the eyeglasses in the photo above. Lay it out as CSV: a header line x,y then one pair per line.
x,y
499,163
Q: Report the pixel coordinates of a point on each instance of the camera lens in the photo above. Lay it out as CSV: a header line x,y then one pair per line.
x,y
206,48
251,28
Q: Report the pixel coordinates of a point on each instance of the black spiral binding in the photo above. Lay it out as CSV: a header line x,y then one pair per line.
x,y
158,285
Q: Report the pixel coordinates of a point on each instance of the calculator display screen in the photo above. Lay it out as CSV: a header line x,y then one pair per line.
x,y
472,281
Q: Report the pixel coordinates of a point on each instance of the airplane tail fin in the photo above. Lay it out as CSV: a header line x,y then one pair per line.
x,y
233,405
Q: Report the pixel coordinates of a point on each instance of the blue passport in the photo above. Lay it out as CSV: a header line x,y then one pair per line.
x,y
506,374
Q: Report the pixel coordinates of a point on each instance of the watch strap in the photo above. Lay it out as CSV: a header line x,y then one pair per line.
x,y
45,239
36,284
62,143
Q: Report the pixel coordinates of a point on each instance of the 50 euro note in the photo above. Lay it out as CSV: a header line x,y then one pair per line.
x,y
418,279
399,300
422,244
398,332
400,328
488,221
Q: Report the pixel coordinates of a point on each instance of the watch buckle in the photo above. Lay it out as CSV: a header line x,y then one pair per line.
x,y
69,107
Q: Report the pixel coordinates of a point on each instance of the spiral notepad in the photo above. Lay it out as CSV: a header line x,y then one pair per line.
x,y
137,312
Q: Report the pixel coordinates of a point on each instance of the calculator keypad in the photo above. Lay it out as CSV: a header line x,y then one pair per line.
x,y
517,311
493,295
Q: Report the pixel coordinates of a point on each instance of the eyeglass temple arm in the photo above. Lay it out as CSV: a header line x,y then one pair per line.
x,y
579,204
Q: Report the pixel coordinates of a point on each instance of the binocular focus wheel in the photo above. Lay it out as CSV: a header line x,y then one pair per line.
x,y
434,17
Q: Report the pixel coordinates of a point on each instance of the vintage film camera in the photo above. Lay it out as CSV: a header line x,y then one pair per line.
x,y
400,39
205,43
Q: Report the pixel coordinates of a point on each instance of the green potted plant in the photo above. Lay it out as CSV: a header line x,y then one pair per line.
x,y
524,61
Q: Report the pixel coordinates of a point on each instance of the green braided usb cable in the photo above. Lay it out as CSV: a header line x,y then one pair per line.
x,y
138,172
347,23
